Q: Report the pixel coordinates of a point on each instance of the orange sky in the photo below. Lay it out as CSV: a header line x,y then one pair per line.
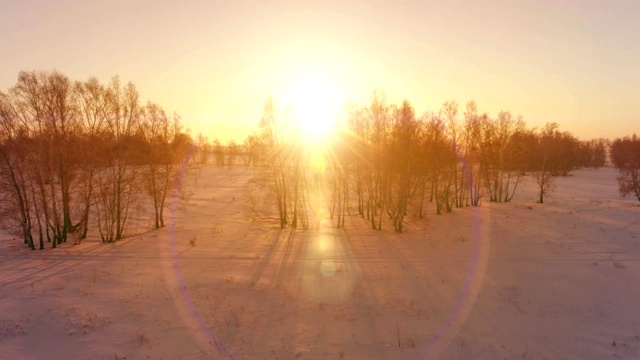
x,y
216,62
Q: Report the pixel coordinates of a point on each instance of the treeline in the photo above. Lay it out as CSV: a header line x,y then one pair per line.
x,y
230,154
387,162
76,156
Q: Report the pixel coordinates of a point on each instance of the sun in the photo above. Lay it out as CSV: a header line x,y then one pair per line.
x,y
316,103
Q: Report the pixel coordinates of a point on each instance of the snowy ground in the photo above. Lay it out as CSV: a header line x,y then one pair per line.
x,y
502,281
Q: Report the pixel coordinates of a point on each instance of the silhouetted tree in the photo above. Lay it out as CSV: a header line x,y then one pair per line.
x,y
403,151
218,152
285,157
625,156
72,149
203,149
93,114
252,150
119,181
15,202
472,166
232,152
543,163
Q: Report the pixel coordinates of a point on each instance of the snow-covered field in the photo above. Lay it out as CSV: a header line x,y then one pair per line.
x,y
558,280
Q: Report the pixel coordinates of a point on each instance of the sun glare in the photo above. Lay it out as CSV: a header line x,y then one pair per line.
x,y
316,104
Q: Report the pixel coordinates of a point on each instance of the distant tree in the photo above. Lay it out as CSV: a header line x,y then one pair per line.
x,y
543,164
232,152
599,152
203,149
625,156
251,150
521,151
592,153
565,147
218,152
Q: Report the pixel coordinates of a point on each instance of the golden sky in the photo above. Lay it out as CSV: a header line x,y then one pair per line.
x,y
216,62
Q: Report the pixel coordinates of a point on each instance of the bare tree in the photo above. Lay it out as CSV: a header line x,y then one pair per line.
x,y
403,149
15,209
232,152
218,152
118,183
625,156
355,142
72,149
165,155
44,105
339,166
505,177
285,174
449,113
204,149
377,136
543,164
93,113
472,166
154,129
252,150
61,116
271,139
440,159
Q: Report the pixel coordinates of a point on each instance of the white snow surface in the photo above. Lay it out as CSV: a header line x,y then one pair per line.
x,y
559,280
